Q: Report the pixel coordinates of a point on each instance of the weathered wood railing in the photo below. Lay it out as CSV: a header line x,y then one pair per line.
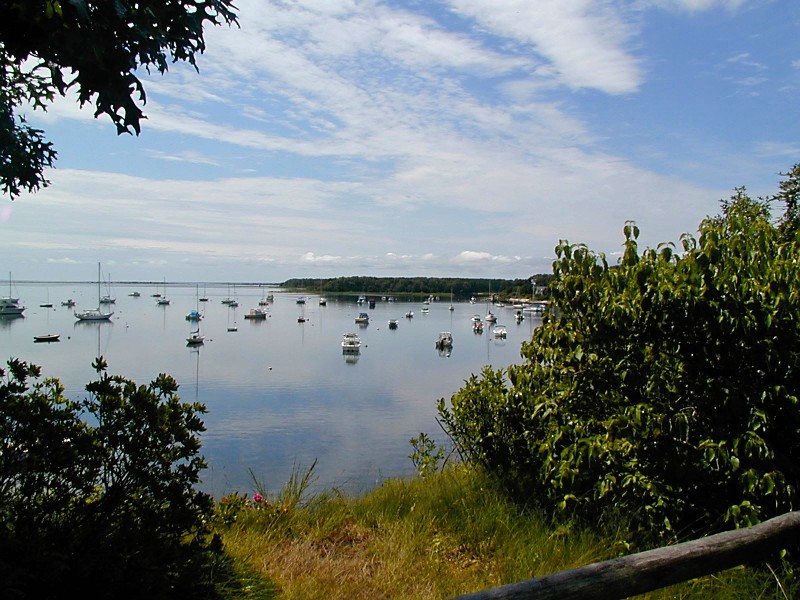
x,y
654,569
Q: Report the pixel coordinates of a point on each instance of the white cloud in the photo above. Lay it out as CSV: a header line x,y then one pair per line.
x,y
585,41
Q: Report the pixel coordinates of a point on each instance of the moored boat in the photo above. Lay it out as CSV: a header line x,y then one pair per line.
x,y
445,340
9,306
48,337
351,342
256,314
195,338
94,314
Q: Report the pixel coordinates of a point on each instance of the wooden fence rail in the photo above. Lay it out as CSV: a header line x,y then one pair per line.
x,y
647,571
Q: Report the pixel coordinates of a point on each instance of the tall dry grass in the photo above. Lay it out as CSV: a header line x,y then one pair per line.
x,y
429,538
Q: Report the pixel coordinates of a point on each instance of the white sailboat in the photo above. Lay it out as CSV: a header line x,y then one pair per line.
x,y
163,300
10,306
195,338
94,314
108,298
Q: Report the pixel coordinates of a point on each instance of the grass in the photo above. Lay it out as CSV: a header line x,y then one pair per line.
x,y
432,537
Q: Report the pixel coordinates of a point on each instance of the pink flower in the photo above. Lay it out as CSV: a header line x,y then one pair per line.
x,y
258,498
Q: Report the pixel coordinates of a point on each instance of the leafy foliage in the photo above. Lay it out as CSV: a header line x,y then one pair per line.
x,y
48,47
664,389
99,494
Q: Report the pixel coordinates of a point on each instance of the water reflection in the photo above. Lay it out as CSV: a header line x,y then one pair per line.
x,y
278,397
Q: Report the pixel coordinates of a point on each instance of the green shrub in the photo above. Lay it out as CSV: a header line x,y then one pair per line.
x,y
97,495
662,388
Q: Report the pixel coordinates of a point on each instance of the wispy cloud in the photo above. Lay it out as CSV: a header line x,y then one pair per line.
x,y
398,138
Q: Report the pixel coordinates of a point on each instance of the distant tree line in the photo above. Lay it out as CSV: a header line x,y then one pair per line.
x,y
461,288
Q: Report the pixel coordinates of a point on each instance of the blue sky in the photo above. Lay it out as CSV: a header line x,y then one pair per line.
x,y
327,138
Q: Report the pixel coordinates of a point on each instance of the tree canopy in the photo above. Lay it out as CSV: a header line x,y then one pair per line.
x,y
663,388
48,47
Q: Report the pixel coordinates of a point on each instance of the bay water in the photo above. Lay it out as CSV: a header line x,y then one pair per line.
x,y
280,393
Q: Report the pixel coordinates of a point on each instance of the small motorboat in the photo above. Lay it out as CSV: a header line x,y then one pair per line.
x,y
445,340
48,337
410,315
392,323
362,318
256,314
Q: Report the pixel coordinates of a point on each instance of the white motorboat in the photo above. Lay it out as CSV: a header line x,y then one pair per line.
x,y
445,340
500,331
94,314
362,318
477,326
351,342
256,314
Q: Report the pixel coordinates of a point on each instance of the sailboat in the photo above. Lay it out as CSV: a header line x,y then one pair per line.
x,y
9,306
163,300
195,338
195,315
94,314
47,304
232,308
108,298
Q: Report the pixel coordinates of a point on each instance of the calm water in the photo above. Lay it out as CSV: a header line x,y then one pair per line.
x,y
280,394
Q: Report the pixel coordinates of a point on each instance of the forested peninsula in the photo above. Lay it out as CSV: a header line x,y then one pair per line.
x,y
461,288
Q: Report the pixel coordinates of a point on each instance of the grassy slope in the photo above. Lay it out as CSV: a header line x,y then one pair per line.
x,y
431,538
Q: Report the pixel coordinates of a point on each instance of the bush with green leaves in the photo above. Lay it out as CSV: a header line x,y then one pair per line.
x,y
663,388
97,496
